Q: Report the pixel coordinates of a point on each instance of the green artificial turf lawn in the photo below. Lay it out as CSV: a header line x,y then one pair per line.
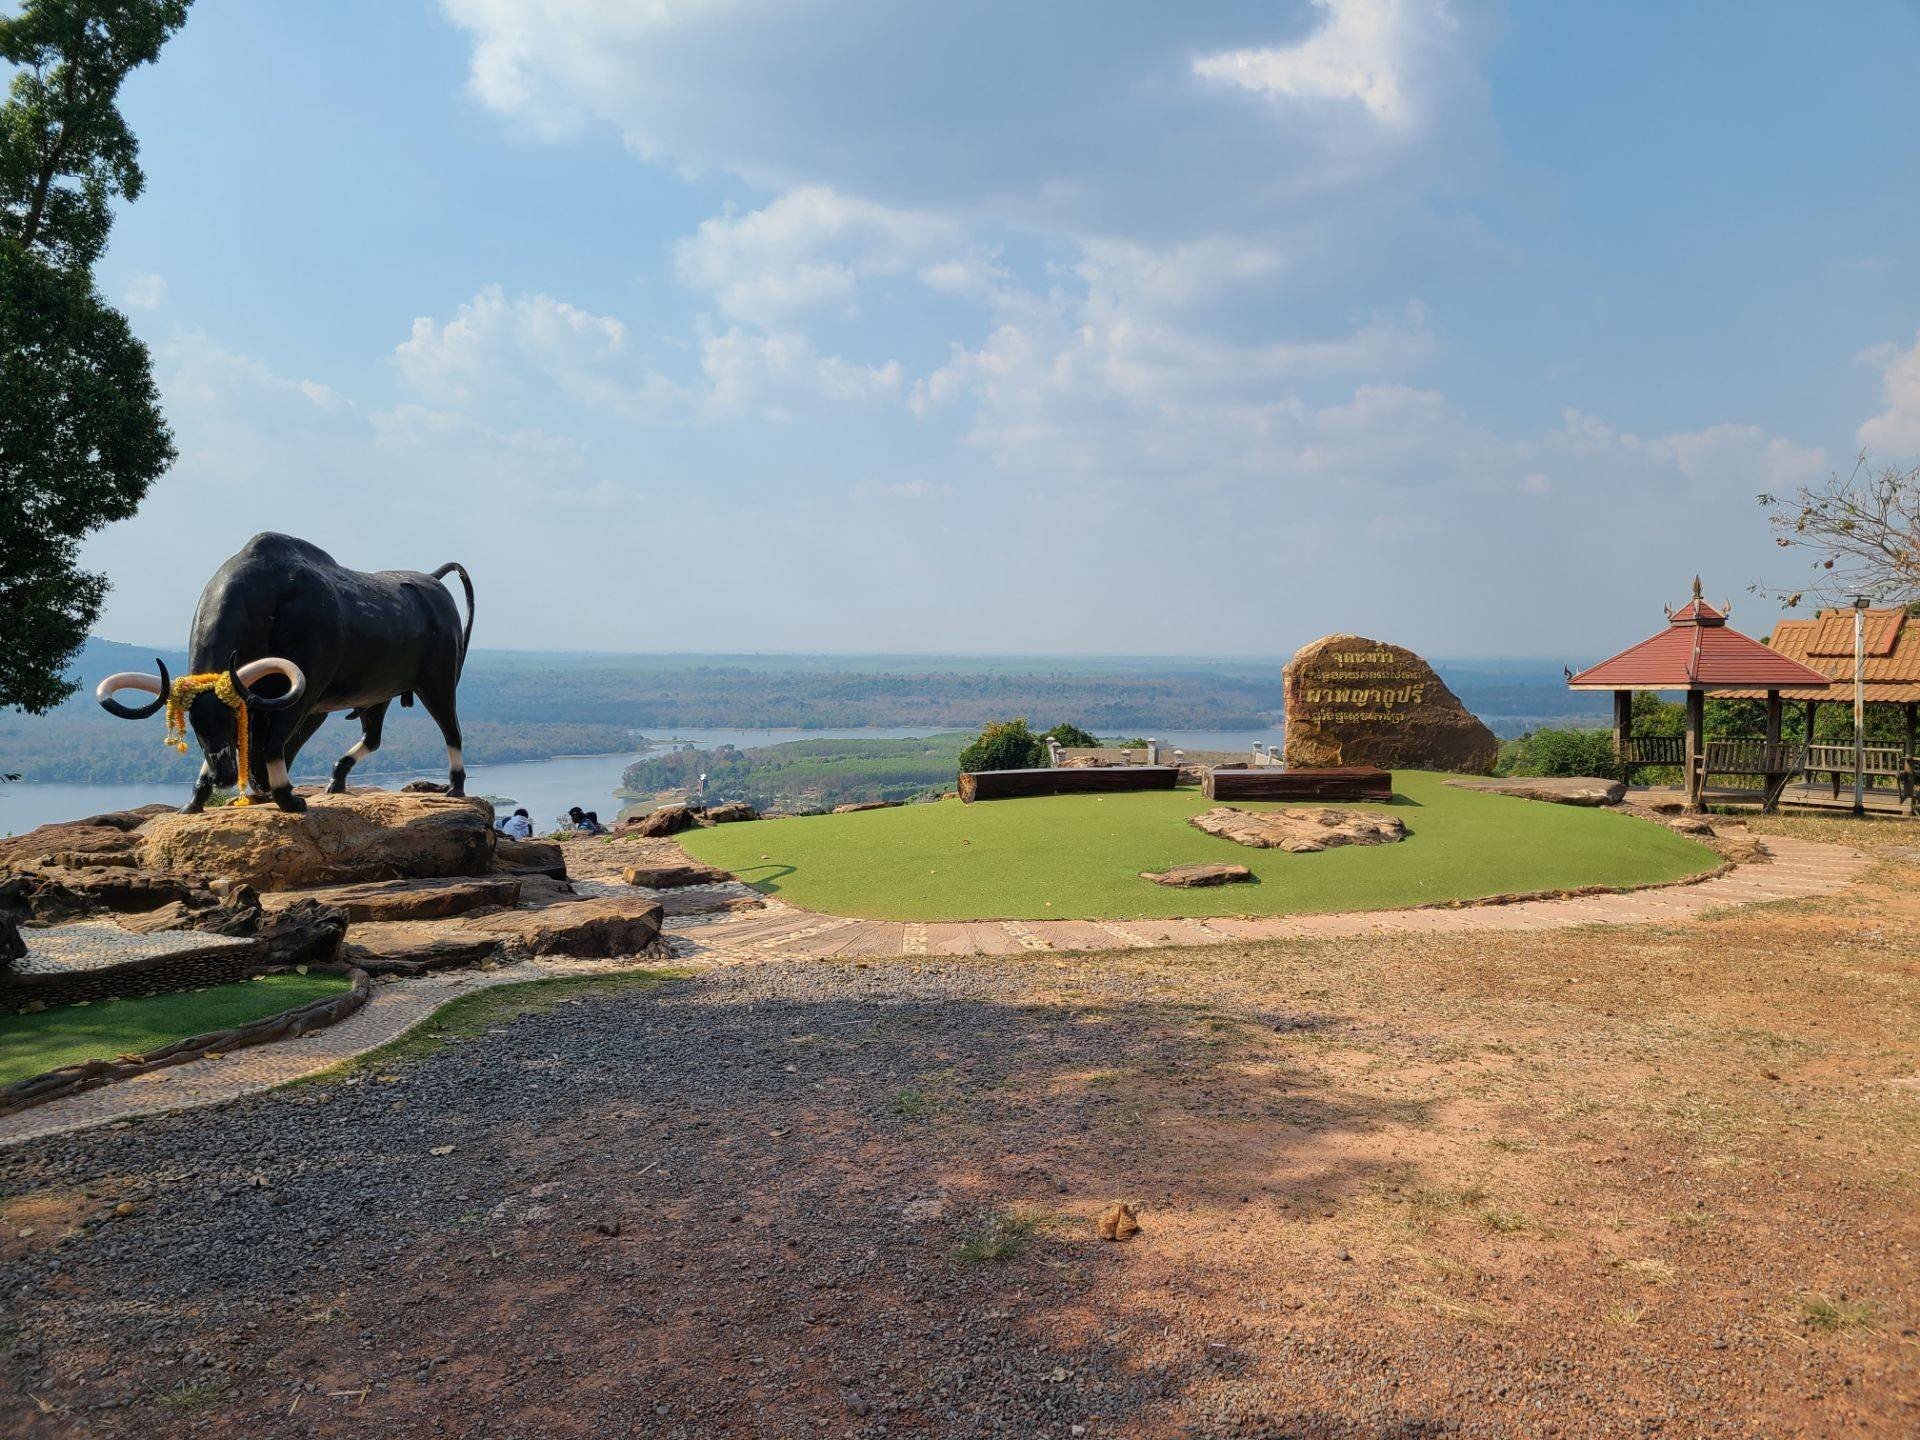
x,y
1079,857
68,1034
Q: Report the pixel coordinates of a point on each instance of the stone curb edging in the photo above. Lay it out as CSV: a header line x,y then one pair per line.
x,y
284,1025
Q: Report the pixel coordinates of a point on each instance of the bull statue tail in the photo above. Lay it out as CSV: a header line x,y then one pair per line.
x,y
454,567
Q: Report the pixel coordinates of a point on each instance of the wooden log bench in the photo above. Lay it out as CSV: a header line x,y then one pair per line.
x,y
1342,782
1091,780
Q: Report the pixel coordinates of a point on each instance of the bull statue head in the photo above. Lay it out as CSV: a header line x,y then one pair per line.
x,y
213,722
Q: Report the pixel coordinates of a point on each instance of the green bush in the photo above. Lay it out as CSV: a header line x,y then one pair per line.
x,y
1559,752
1005,745
1072,736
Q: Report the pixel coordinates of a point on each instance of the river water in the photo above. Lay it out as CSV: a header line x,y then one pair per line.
x,y
546,788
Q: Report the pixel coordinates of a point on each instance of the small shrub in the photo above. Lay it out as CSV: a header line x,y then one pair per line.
x,y
1823,1312
1071,736
1559,752
1005,745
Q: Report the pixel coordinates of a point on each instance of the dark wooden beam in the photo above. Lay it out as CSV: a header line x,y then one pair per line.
x,y
1077,780
1343,782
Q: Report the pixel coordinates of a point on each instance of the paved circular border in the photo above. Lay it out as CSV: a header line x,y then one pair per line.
x,y
1799,870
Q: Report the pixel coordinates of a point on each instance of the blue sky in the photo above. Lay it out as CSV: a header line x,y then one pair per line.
x,y
840,325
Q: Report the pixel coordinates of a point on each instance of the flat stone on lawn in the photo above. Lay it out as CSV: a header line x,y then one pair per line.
x,y
1301,830
1187,877
1590,790
434,898
673,876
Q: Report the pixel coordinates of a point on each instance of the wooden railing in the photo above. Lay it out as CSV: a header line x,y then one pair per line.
x,y
1753,757
1655,750
1883,760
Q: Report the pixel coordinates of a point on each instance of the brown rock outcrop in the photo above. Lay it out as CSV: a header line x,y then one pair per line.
x,y
667,820
1355,701
337,840
598,928
429,899
673,877
729,813
1300,831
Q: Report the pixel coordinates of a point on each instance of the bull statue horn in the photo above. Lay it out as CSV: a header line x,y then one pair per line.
x,y
158,687
253,671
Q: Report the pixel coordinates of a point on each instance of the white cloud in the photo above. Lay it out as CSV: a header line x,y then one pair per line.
x,y
1893,436
810,249
777,376
495,342
1374,52
146,291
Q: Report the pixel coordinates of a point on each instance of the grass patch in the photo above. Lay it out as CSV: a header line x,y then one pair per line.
x,y
1080,857
69,1034
190,1397
1003,1237
475,1014
1837,1317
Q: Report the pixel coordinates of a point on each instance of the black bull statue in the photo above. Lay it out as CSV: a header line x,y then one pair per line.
x,y
300,637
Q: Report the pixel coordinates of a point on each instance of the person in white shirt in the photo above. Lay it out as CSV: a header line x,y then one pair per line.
x,y
518,825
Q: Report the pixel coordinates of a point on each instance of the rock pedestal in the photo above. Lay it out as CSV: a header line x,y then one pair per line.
x,y
338,840
1355,701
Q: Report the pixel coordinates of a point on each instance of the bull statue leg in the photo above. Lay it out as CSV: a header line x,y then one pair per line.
x,y
372,719
275,738
439,704
202,791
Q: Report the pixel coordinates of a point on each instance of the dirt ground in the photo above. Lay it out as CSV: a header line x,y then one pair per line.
x,y
1605,1182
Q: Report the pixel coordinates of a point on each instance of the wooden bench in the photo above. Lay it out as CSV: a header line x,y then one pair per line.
x,y
1342,782
1078,780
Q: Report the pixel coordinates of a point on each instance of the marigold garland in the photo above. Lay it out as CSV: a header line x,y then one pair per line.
x,y
189,688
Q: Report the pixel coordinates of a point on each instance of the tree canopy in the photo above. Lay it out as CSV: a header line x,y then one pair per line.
x,y
81,433
1862,532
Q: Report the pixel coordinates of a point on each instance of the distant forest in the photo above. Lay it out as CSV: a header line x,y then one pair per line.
x,y
530,706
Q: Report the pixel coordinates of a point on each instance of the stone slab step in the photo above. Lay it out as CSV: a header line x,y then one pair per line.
x,y
427,899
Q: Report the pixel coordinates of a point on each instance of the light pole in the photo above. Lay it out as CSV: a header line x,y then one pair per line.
x,y
1859,705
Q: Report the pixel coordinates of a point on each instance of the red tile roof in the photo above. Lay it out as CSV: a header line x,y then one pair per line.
x,y
1698,651
1892,670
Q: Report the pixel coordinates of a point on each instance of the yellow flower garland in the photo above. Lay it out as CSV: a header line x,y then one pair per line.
x,y
189,688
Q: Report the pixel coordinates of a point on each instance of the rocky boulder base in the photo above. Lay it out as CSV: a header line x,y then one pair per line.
x,y
673,876
338,840
1355,701
1301,831
1587,790
593,929
1189,877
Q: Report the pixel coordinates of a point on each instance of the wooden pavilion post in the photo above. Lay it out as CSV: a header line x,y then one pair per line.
x,y
1806,763
1623,732
1696,751
1910,712
1775,779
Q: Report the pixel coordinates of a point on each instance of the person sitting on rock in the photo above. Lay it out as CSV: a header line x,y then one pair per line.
x,y
590,824
519,825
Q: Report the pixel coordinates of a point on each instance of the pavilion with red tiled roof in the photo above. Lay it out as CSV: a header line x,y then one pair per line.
x,y
1699,652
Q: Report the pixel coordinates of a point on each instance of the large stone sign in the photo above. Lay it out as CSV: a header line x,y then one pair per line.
x,y
1354,701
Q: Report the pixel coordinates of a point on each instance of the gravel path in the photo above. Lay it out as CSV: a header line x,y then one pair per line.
x,y
738,1204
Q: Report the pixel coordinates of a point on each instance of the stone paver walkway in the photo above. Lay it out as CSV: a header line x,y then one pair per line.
x,y
95,944
1800,870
